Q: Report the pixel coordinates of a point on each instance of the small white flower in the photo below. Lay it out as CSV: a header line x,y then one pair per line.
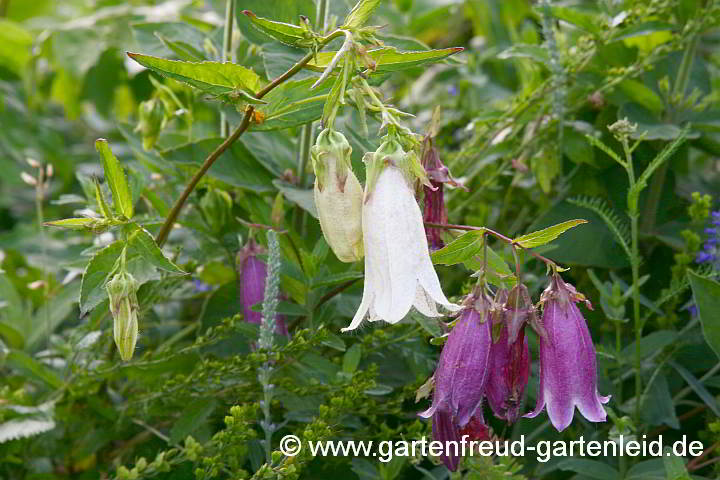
x,y
398,271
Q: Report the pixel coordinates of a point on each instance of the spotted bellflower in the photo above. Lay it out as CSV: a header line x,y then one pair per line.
x,y
509,364
252,274
461,378
399,274
568,375
434,210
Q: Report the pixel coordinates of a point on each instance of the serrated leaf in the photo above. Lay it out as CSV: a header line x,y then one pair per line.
x,y
286,33
360,13
214,78
546,235
115,176
25,428
72,223
706,294
92,289
459,250
142,243
390,59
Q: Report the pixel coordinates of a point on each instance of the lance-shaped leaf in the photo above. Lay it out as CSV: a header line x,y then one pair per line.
x,y
142,243
546,235
115,177
286,33
706,294
215,78
360,13
390,59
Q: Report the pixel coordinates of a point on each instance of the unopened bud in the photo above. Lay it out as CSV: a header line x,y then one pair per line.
x,y
32,162
152,120
29,179
122,290
49,171
338,195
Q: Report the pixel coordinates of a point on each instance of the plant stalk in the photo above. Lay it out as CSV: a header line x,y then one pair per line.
x,y
227,55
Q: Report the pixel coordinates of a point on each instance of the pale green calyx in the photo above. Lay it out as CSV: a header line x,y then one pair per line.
x,y
391,152
122,291
338,195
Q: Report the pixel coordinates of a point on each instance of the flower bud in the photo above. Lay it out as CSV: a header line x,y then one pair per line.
x,y
152,119
216,206
122,290
338,195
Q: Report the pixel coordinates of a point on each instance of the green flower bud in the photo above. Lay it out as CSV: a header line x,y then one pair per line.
x,y
152,120
122,290
338,195
216,206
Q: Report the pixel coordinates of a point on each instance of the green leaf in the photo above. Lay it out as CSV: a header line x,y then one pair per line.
x,y
640,29
360,13
92,289
289,104
674,466
534,52
589,468
142,243
214,78
286,33
352,357
459,250
706,294
698,387
237,166
16,46
191,418
546,235
115,176
582,20
32,368
183,50
72,223
288,11
390,59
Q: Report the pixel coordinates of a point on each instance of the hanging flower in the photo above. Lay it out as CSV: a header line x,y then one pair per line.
x,y
252,274
434,195
461,376
338,195
398,270
568,376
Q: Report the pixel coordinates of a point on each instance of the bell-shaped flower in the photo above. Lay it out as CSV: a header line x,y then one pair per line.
x,y
461,375
122,293
252,274
509,363
568,375
398,271
434,210
338,195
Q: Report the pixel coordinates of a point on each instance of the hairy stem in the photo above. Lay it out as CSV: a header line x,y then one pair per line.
x,y
227,55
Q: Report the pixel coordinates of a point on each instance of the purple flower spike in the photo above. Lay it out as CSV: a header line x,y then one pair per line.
x,y
461,375
252,273
568,376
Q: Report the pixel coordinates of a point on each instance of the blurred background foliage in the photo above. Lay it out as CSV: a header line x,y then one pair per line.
x,y
534,80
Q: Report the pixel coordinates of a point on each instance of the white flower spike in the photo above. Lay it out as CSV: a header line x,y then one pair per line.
x,y
398,271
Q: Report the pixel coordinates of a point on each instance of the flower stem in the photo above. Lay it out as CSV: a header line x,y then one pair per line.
x,y
162,235
227,55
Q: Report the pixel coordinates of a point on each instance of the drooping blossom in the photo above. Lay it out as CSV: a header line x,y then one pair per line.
x,y
461,377
434,193
398,271
509,363
568,374
252,274
338,195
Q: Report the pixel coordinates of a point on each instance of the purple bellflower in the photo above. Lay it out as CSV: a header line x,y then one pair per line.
x,y
509,364
461,377
568,374
711,248
252,273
